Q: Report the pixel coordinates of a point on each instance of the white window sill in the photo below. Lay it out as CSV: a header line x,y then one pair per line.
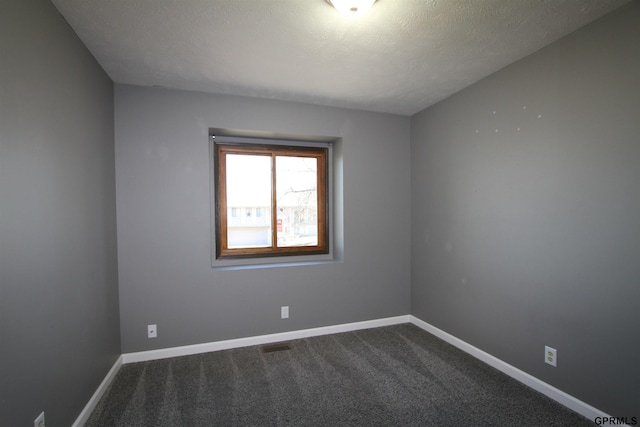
x,y
253,263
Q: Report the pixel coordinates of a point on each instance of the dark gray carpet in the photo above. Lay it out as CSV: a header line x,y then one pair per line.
x,y
392,376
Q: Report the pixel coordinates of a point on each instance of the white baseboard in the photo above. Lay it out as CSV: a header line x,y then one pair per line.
x,y
165,353
548,390
90,406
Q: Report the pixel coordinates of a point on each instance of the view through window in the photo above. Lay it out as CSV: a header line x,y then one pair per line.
x,y
270,200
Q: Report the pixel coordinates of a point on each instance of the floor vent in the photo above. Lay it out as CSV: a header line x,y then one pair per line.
x,y
275,347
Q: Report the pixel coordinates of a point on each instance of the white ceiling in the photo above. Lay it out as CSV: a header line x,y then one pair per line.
x,y
400,57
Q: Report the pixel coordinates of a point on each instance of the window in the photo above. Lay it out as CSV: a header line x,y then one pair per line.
x,y
283,192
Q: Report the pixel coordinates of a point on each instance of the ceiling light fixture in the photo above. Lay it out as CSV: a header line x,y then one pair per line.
x,y
352,7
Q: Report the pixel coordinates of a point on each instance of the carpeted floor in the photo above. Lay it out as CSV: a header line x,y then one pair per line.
x,y
392,376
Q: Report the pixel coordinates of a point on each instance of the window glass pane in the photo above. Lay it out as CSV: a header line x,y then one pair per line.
x,y
297,201
248,189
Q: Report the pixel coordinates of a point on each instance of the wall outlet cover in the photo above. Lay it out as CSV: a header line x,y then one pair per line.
x,y
550,356
152,331
284,312
39,422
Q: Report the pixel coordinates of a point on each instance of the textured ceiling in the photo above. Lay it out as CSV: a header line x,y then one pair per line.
x,y
400,57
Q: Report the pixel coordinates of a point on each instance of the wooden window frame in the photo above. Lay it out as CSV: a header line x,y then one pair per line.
x,y
221,149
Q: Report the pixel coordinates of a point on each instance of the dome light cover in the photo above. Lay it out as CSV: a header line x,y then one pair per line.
x,y
352,7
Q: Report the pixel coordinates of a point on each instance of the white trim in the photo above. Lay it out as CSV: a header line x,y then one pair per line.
x,y
548,390
90,406
187,350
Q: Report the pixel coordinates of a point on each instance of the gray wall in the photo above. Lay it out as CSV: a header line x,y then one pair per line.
x,y
163,198
59,321
526,213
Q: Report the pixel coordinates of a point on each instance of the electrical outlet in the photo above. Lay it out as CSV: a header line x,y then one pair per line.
x,y
550,356
39,422
284,312
152,331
